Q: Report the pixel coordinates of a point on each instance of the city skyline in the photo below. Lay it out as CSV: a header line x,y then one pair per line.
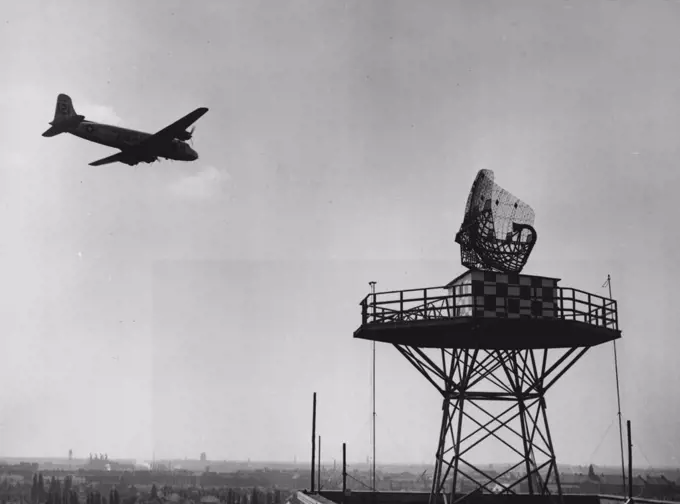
x,y
336,463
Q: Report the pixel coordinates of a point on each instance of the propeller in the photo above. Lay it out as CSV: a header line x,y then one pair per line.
x,y
191,135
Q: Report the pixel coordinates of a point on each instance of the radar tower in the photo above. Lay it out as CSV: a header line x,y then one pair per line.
x,y
492,342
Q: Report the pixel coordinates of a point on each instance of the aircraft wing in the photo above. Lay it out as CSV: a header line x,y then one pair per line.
x,y
152,144
111,159
169,133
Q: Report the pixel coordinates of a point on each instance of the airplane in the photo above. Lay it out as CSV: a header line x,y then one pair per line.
x,y
135,146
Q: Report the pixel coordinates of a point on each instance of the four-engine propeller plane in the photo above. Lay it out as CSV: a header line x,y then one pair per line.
x,y
135,146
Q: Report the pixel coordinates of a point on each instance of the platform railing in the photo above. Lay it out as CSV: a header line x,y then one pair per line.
x,y
436,303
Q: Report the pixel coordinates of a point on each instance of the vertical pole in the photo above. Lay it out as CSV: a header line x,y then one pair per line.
x,y
618,396
344,471
372,284
318,475
630,462
313,441
425,304
373,482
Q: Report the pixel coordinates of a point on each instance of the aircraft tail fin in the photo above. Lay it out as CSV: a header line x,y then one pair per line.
x,y
64,109
65,116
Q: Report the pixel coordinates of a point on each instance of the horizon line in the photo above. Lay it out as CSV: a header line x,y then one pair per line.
x,y
308,462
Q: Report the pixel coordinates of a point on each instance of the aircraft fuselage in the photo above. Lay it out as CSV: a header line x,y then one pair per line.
x,y
123,138
135,146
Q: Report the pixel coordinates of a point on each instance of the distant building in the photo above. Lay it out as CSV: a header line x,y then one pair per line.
x,y
612,484
576,483
658,487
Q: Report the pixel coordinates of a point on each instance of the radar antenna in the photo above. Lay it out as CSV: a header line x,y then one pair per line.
x,y
497,233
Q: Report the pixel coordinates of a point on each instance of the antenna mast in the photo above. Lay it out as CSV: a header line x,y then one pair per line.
x,y
608,283
373,481
311,485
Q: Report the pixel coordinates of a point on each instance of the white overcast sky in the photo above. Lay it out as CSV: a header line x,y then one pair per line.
x,y
181,308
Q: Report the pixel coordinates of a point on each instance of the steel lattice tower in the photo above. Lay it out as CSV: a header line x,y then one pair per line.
x,y
492,342
469,380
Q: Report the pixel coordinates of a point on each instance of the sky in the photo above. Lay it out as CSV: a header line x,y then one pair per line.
x,y
177,308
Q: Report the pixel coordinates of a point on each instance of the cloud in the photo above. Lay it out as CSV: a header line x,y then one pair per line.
x,y
97,113
201,185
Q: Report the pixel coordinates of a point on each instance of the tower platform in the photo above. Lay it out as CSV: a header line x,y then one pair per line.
x,y
501,341
490,310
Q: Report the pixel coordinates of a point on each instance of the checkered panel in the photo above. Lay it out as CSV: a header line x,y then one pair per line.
x,y
506,295
463,299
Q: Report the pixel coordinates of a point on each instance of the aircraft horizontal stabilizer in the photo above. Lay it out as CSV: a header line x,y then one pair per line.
x,y
63,125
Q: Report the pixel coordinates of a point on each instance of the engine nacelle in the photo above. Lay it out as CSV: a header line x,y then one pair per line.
x,y
184,135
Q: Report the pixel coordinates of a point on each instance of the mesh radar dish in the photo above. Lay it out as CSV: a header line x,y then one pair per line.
x,y
497,233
